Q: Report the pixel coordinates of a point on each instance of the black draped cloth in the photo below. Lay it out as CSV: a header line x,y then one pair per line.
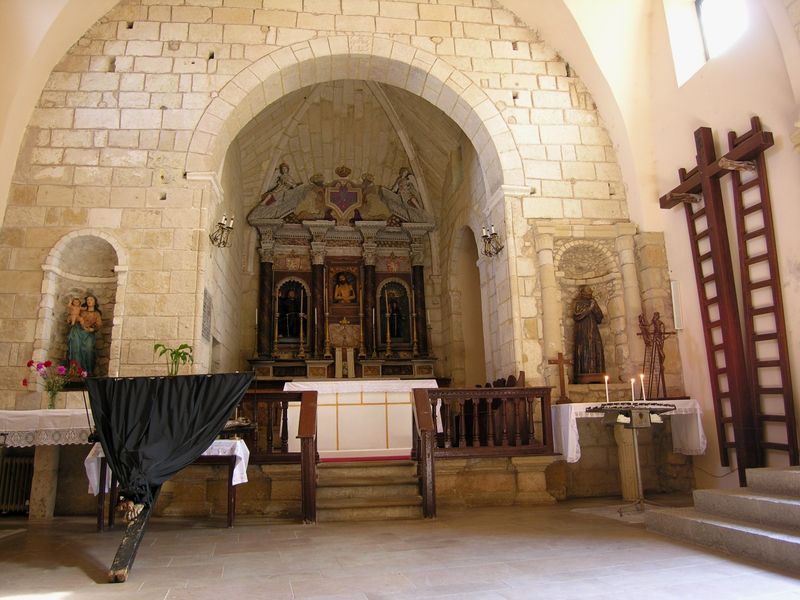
x,y
152,427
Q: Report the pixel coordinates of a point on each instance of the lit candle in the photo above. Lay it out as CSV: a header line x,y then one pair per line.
x,y
633,396
641,381
606,379
224,219
231,223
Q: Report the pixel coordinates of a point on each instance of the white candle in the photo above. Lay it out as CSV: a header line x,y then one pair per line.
x,y
633,396
483,231
231,223
492,229
641,381
606,379
224,219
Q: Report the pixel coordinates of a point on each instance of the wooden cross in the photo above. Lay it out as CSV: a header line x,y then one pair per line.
x,y
561,361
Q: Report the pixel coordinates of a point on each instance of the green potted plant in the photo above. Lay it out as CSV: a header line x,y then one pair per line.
x,y
175,356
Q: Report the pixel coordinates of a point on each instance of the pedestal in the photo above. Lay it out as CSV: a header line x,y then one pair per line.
x,y
531,480
627,463
45,483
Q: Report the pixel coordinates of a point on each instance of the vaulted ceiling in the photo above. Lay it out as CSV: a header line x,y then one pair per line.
x,y
367,126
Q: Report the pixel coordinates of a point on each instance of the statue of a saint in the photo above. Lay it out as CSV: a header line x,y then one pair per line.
x,y
289,314
396,319
588,358
343,292
405,186
281,182
81,340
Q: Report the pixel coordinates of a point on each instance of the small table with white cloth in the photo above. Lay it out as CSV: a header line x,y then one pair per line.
x,y
46,430
688,436
233,453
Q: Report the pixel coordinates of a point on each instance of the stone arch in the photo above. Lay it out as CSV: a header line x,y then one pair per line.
x,y
593,263
357,57
61,279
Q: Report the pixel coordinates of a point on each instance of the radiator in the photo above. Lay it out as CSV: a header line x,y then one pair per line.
x,y
16,475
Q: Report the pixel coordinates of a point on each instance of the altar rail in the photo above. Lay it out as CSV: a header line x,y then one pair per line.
x,y
268,437
477,423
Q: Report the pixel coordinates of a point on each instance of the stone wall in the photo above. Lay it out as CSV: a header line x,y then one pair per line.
x,y
139,116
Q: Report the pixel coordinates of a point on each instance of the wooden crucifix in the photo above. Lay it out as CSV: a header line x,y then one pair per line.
x,y
562,379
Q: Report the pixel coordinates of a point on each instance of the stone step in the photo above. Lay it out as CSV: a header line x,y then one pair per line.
x,y
774,480
369,509
358,488
755,507
366,469
740,538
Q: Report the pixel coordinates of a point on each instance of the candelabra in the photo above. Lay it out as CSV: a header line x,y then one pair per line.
x,y
491,242
220,237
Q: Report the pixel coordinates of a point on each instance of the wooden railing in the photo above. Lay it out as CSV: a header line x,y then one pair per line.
x,y
423,438
267,437
475,423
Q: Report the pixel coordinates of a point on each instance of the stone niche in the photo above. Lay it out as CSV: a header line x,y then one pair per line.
x,y
593,263
85,266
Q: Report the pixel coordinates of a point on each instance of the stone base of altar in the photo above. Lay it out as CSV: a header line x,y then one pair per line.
x,y
466,482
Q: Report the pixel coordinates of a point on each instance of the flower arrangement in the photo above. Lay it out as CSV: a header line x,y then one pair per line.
x,y
54,377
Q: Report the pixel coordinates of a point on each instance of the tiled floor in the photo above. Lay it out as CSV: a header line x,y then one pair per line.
x,y
491,553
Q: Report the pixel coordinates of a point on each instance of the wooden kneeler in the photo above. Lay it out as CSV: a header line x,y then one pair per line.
x,y
126,553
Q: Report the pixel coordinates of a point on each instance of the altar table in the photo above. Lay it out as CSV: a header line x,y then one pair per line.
x,y
360,417
44,427
688,436
233,453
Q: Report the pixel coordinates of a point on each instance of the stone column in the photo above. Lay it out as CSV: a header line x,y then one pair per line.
x,y
369,248
416,231
551,306
266,281
632,296
318,231
266,310
627,463
45,483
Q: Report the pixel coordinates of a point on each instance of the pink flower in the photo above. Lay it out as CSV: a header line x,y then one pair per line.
x,y
39,366
84,374
61,370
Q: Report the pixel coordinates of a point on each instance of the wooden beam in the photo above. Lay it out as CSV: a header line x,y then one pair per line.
x,y
126,553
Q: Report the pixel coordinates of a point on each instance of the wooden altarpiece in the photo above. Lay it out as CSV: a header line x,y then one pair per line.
x,y
750,374
341,282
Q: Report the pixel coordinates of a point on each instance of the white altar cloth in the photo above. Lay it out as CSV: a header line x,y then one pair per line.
x,y
688,436
360,417
44,427
219,448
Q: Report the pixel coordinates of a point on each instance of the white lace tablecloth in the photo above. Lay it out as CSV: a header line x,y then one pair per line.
x,y
219,448
44,427
688,436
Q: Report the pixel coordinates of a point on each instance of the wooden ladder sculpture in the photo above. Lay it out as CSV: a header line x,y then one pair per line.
x,y
750,375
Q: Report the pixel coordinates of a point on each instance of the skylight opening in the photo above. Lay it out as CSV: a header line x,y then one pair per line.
x,y
723,22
